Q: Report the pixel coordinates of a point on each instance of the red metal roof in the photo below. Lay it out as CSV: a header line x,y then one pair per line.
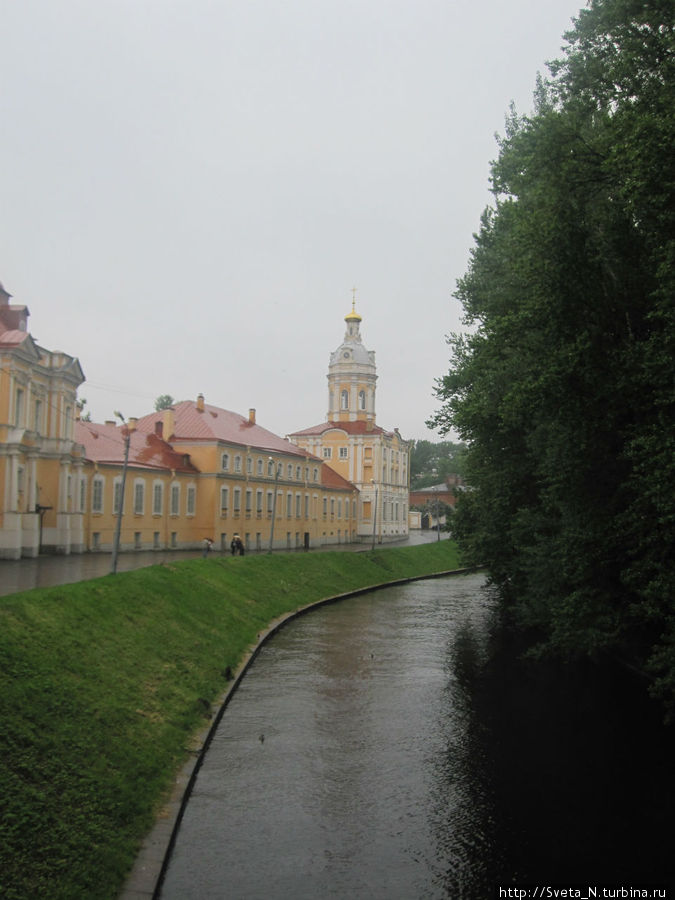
x,y
358,427
12,338
105,444
332,479
215,424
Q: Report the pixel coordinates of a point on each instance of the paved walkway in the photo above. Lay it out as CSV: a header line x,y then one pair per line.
x,y
46,571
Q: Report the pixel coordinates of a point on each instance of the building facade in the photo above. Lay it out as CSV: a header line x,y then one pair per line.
x,y
351,442
196,472
40,460
192,472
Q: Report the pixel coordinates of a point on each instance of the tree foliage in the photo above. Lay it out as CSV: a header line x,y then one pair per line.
x,y
164,401
431,463
564,384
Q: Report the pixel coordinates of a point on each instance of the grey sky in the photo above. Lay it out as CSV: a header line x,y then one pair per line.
x,y
189,189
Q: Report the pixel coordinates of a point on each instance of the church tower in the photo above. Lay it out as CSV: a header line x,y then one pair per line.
x,y
351,442
352,377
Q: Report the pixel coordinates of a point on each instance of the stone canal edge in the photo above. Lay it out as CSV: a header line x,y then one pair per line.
x,y
146,877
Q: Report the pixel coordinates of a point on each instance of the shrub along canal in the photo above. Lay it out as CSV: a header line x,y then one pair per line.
x,y
371,752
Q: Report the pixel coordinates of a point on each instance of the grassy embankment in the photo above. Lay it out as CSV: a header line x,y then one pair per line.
x,y
104,683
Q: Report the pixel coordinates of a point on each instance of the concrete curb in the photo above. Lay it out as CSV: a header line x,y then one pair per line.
x,y
147,874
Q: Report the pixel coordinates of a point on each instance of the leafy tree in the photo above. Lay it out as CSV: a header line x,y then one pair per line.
x,y
164,401
564,385
83,416
431,463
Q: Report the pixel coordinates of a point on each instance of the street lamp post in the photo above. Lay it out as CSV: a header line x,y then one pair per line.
x,y
374,516
120,509
274,502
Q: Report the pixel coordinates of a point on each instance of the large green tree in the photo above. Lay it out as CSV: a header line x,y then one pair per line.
x,y
563,384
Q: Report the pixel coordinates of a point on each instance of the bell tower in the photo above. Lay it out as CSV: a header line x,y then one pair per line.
x,y
352,376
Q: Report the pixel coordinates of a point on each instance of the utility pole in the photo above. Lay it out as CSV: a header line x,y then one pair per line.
x,y
274,502
120,509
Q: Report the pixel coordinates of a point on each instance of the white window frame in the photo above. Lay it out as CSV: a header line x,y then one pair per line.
x,y
139,497
157,498
97,492
191,500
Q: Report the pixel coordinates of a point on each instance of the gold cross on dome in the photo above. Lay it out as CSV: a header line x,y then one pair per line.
x,y
353,299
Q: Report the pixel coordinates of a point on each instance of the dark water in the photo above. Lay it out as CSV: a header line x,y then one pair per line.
x,y
373,752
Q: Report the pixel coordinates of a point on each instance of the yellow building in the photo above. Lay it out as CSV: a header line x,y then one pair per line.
x,y
194,471
254,483
40,462
198,472
351,442
160,488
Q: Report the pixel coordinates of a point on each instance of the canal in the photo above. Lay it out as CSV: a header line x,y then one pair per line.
x,y
372,751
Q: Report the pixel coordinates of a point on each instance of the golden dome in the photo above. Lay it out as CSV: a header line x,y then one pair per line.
x,y
353,316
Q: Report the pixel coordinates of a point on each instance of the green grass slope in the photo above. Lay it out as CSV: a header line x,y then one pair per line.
x,y
104,683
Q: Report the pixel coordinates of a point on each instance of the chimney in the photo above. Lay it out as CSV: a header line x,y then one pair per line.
x,y
251,416
110,422
133,423
168,424
200,403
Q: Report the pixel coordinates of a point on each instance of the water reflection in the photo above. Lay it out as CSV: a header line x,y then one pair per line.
x,y
407,754
359,788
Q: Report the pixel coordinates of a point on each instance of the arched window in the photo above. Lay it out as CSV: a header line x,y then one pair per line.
x,y
362,399
344,400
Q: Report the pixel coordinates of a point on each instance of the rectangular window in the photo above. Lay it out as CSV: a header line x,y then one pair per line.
x,y
175,499
37,423
117,495
191,500
18,411
298,505
237,499
249,500
96,540
139,498
307,506
270,501
289,505
259,502
249,465
224,499
325,507
83,494
137,540
174,539
157,499
327,452
344,452
97,496
155,540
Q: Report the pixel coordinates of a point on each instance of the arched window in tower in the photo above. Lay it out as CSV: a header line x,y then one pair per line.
x,y
344,400
362,399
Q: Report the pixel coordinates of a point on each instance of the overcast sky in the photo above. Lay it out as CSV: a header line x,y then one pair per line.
x,y
189,189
